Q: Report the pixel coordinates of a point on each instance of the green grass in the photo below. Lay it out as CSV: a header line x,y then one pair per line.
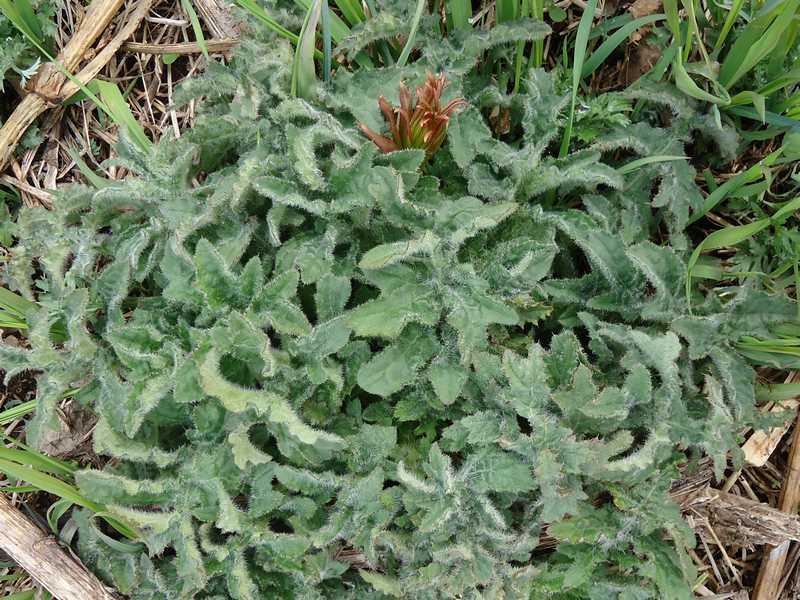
x,y
579,55
19,411
46,474
14,309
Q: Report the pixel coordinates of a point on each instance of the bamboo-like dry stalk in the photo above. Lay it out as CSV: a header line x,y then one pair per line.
x,y
222,45
45,87
771,571
44,560
218,17
98,62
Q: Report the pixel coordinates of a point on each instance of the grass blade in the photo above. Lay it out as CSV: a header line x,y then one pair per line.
x,y
731,236
14,310
787,44
351,10
23,17
28,15
519,57
262,15
34,457
786,211
783,81
723,238
647,160
339,29
327,51
689,7
47,483
15,303
10,415
687,85
36,460
758,101
92,177
613,41
733,13
121,113
24,595
537,56
505,10
460,13
733,184
777,392
198,30
128,532
755,43
768,117
581,40
54,513
11,466
304,74
673,20
412,34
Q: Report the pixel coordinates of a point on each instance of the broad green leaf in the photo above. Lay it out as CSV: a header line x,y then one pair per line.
x,y
447,379
395,367
388,315
382,583
388,254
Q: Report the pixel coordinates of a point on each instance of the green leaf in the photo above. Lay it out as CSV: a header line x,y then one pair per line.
x,y
613,41
382,583
396,366
271,406
409,45
389,254
304,76
581,41
121,113
472,312
388,315
501,472
447,379
196,28
331,296
214,277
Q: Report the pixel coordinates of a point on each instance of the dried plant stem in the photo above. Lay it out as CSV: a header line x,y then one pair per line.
x,y
218,17
46,86
98,62
739,519
771,571
49,86
43,196
222,45
44,560
17,124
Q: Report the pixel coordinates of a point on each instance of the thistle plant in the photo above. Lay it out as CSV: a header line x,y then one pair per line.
x,y
320,351
420,122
